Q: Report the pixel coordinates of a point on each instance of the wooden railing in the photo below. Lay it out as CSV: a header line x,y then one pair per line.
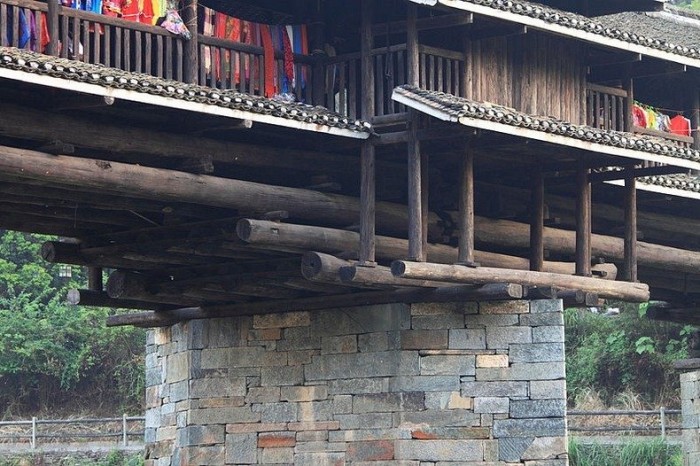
x,y
607,107
11,12
441,70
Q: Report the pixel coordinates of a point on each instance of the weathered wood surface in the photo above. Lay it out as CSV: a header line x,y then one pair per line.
x,y
379,275
490,292
285,236
632,292
102,299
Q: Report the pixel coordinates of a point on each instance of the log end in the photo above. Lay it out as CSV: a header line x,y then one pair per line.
x,y
311,265
347,274
73,297
398,268
244,228
117,284
48,251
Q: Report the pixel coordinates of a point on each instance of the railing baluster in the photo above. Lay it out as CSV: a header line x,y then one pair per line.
x,y
179,60
108,45
342,90
75,28
169,57
138,52
3,25
85,38
147,59
352,90
379,84
159,56
15,27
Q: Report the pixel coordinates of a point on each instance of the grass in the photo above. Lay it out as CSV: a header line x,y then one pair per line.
x,y
114,458
654,452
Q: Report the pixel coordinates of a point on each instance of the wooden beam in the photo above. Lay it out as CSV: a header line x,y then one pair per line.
x,y
632,292
285,236
52,20
583,222
501,30
381,276
466,209
578,298
537,221
492,292
612,175
613,58
630,251
424,24
102,299
128,285
415,196
641,69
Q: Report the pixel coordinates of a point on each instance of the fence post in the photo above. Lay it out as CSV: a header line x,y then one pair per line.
x,y
33,432
125,440
663,422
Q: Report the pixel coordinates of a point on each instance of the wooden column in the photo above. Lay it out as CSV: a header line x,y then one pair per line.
x,y
54,7
191,47
630,272
317,38
466,209
629,87
367,205
416,250
95,279
412,45
583,221
537,220
366,45
695,120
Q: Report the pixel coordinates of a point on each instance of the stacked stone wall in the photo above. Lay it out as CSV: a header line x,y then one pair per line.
x,y
690,407
473,384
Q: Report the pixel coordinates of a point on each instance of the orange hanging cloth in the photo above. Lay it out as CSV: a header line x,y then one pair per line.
x,y
269,56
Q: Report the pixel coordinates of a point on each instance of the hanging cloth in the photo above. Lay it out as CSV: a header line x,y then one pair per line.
x,y
207,30
269,58
304,51
138,10
639,116
44,38
288,81
680,125
651,118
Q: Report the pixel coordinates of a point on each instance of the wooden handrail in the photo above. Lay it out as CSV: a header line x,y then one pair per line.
x,y
118,22
253,49
663,134
607,90
440,52
31,4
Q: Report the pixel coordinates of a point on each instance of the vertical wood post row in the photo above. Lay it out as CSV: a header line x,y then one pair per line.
x,y
537,220
368,184
583,221
318,39
95,278
630,226
53,10
466,209
191,51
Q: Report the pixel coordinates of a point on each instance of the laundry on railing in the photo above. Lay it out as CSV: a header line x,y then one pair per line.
x,y
29,34
646,116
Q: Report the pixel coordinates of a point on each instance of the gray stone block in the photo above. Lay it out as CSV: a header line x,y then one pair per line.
x,y
241,448
358,386
548,389
424,339
263,395
299,338
224,333
229,415
448,365
494,389
278,455
544,448
491,320
503,337
388,402
224,358
341,344
179,391
276,412
511,449
319,459
547,318
548,334
436,418
217,387
438,321
523,371
364,421
307,393
546,305
536,352
342,404
373,342
529,428
491,405
360,365
439,450
537,409
428,383
200,435
314,411
467,339
287,375
379,318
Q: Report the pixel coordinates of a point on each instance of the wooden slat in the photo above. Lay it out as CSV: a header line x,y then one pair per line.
x,y
118,33
3,25
85,39
352,88
148,58
168,57
342,90
108,45
76,38
379,84
138,51
160,59
14,41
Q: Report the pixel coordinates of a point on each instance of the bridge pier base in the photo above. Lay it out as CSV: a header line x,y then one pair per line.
x,y
690,406
477,384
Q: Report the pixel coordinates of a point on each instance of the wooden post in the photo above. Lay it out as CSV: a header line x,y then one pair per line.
x,y
630,272
629,86
317,37
412,45
583,221
367,206
537,220
695,123
54,8
95,279
466,209
191,47
415,197
366,45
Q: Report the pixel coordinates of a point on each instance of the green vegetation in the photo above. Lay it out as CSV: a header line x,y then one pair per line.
x,y
621,354
54,356
654,452
692,4
113,458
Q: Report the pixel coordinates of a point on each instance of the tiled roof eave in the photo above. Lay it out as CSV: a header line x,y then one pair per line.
x,y
575,26
665,185
30,67
495,118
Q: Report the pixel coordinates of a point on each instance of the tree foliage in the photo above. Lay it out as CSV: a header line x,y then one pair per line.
x,y
627,352
51,351
692,4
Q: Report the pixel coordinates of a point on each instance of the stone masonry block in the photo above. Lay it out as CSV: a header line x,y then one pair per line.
x,y
359,386
277,376
547,389
537,408
492,360
504,307
223,333
537,352
378,450
435,322
288,319
348,321
503,337
423,339
276,412
177,367
557,462
217,387
308,393
208,416
448,365
299,338
360,365
341,344
314,411
219,358
434,418
388,402
276,439
439,450
474,339
342,404
427,383
364,421
523,371
437,309
373,342
200,435
277,455
547,318
491,320
491,405
447,400
449,433
529,428
263,395
320,459
497,389
546,305
202,456
548,334
544,448
511,449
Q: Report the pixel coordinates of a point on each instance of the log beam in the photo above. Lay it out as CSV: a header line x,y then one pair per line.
x,y
382,276
631,292
102,299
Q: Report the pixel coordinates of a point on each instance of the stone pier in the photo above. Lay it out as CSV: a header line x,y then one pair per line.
x,y
690,406
472,384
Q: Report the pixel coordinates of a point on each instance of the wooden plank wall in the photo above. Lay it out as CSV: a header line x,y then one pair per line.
x,y
535,73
